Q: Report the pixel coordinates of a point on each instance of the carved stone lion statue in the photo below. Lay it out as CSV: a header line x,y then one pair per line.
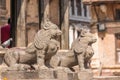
x,y
80,54
39,51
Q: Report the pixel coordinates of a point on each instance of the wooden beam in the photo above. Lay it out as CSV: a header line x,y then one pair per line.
x,y
64,23
21,26
13,14
45,10
54,11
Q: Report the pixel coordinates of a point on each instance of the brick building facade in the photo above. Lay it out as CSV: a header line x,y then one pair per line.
x,y
106,20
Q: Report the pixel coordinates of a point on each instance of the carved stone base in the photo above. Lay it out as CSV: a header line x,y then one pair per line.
x,y
14,75
42,74
59,74
85,75
107,78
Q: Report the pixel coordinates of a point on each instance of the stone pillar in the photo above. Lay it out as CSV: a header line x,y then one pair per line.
x,y
64,23
21,26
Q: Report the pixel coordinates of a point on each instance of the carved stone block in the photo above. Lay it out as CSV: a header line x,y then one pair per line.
x,y
21,75
107,78
59,74
14,75
47,74
65,75
85,75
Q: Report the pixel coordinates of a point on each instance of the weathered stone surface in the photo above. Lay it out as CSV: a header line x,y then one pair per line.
x,y
13,75
107,78
47,74
80,54
37,79
38,52
67,76
59,74
82,48
41,74
21,62
85,75
82,75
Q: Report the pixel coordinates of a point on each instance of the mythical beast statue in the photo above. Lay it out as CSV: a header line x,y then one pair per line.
x,y
80,54
39,51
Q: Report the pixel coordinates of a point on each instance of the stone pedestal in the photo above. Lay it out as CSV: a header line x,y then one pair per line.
x,y
15,75
81,75
64,74
85,75
21,75
106,78
59,74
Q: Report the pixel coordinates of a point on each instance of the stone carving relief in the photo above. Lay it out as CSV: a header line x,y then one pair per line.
x,y
44,51
80,54
39,51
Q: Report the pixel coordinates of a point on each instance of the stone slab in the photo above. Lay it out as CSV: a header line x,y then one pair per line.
x,y
82,75
41,74
13,75
64,74
60,74
47,74
85,75
107,78
37,79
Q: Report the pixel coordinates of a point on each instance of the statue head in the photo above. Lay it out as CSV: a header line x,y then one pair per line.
x,y
88,36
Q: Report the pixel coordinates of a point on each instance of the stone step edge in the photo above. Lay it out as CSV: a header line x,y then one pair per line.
x,y
37,79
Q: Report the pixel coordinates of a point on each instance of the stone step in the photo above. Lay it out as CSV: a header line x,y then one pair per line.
x,y
59,74
36,79
33,75
107,78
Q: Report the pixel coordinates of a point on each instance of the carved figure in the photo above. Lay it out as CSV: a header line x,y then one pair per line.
x,y
39,51
80,54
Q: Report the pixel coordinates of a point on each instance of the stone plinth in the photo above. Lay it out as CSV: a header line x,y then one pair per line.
x,y
41,74
47,74
60,74
85,75
14,75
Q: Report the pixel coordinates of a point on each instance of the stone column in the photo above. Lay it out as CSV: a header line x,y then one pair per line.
x,y
64,22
